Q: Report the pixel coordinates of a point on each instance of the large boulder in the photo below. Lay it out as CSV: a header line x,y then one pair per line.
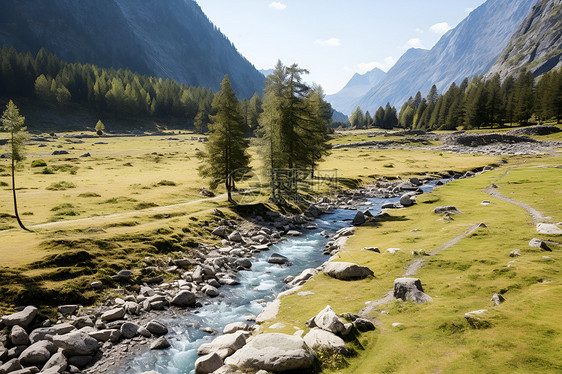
x,y
274,352
47,333
76,344
112,335
184,299
410,289
22,318
221,231
224,345
18,336
37,353
235,236
156,327
323,340
548,229
10,366
113,314
407,199
160,343
359,219
129,330
57,360
328,320
208,364
276,258
235,326
346,270
537,243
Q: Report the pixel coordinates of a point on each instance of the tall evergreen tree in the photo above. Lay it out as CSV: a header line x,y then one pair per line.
x,y
357,118
14,124
226,150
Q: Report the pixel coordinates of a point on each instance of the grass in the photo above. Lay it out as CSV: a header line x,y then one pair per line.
x,y
523,336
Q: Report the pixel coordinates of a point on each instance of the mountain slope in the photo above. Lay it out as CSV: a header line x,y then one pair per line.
x,y
169,39
467,50
357,86
536,45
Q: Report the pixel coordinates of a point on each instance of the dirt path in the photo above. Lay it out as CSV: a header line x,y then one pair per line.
x,y
125,214
535,214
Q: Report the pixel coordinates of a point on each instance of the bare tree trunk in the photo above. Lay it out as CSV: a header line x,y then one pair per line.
x,y
14,194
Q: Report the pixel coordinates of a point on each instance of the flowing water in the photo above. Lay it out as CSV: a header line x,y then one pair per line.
x,y
259,285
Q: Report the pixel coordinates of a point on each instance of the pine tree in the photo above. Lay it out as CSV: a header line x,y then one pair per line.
x,y
357,118
523,97
226,150
100,127
14,124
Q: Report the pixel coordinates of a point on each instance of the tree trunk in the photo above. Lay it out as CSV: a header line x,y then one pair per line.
x,y
14,194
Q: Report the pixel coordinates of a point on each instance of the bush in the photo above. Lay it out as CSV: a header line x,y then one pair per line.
x,y
3,184
47,171
166,183
60,186
89,194
38,163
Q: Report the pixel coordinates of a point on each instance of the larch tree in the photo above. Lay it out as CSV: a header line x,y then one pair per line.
x,y
226,150
14,124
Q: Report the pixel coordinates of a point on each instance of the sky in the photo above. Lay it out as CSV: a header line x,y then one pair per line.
x,y
333,39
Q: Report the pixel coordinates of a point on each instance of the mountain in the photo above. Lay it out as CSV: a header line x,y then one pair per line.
x,y
168,39
357,86
467,50
536,45
265,72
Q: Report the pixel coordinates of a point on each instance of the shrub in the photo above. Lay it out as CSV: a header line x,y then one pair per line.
x,y
60,186
3,184
89,194
166,183
141,206
47,171
38,163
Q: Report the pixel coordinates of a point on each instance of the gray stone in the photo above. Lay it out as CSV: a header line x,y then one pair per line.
x,y
22,318
294,233
319,339
244,263
328,320
410,289
16,351
303,277
235,236
144,332
58,360
235,326
407,200
224,345
548,229
10,366
274,352
37,353
497,299
76,344
450,209
129,330
276,258
156,327
105,335
372,249
210,291
184,299
67,309
18,336
514,253
359,219
363,324
53,370
537,243
160,343
113,314
221,231
80,361
346,270
208,363
476,319
83,322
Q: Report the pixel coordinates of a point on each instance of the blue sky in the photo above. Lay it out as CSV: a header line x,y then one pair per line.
x,y
333,38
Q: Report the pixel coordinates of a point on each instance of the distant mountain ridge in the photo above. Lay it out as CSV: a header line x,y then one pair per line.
x,y
536,45
168,39
469,49
358,85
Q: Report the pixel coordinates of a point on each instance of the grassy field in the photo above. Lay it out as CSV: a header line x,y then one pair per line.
x,y
524,335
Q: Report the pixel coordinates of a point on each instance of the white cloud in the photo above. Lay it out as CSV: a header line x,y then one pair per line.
x,y
419,31
440,28
332,42
277,5
364,67
414,43
347,68
389,61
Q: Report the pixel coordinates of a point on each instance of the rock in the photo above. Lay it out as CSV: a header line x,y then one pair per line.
x,y
328,320
83,322
406,200
276,258
80,361
76,344
208,363
294,233
359,219
476,319
319,339
18,336
10,366
3,353
274,352
210,291
514,253
235,236
410,289
303,277
160,343
129,330
398,325
96,284
37,353
205,192
235,326
56,361
112,335
485,202
244,263
497,299
184,299
66,310
157,327
346,270
393,250
363,324
218,213
537,243
16,351
113,315
313,211
372,249
221,231
53,370
450,209
548,229
224,345
124,275
22,318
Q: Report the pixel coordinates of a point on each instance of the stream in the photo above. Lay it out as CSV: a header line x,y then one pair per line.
x,y
257,286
